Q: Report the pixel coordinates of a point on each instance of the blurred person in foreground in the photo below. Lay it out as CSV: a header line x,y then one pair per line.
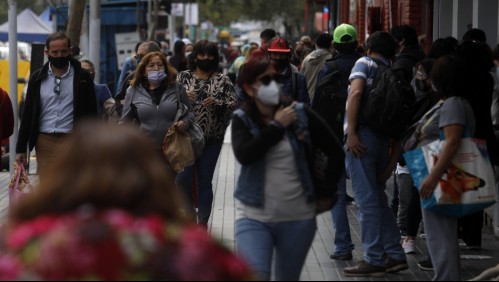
x,y
117,216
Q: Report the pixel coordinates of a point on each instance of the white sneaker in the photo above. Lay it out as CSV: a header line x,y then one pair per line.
x,y
409,246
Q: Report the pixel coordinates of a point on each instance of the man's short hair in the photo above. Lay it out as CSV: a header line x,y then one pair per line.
x,y
475,34
405,33
324,40
382,42
267,34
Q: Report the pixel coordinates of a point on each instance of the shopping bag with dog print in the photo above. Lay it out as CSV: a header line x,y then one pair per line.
x,y
468,184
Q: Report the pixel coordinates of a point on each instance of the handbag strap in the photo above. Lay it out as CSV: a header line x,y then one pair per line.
x,y
422,121
179,108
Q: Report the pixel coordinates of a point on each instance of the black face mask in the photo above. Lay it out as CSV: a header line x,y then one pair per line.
x,y
207,65
421,85
59,62
281,64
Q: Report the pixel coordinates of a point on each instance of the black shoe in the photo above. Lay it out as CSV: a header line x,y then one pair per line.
x,y
426,264
394,266
473,247
343,256
349,199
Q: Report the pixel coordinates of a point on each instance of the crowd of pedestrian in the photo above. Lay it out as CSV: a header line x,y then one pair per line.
x,y
279,97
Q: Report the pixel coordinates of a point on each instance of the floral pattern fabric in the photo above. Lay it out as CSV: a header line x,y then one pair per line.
x,y
113,245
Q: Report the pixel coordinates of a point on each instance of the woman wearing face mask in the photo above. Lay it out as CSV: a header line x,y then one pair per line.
x,y
213,98
427,98
275,207
151,99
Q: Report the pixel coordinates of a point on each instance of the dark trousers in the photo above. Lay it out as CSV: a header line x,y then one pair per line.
x,y
413,213
470,228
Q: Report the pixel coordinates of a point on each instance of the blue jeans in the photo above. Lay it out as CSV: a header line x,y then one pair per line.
x,y
205,168
342,239
379,230
256,241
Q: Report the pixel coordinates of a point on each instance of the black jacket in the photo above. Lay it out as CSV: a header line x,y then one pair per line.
x,y
408,58
84,104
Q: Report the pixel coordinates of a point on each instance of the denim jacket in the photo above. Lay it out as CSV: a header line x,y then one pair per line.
x,y
250,185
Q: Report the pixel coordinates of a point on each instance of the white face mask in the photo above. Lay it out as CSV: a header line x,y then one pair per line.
x,y
269,94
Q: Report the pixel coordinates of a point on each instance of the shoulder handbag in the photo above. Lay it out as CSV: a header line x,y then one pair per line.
x,y
195,131
323,168
467,185
177,149
410,138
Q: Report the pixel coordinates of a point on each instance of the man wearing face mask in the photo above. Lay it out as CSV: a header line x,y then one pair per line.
x,y
293,83
409,212
59,95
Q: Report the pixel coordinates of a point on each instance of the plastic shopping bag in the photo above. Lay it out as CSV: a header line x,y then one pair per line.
x,y
468,184
19,185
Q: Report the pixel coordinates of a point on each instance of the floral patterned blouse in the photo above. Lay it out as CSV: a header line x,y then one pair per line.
x,y
213,120
113,245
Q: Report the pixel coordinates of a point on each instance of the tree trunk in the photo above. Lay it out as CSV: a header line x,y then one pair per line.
x,y
75,19
154,21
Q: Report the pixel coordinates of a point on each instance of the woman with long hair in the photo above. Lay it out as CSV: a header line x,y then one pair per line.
x,y
212,96
151,100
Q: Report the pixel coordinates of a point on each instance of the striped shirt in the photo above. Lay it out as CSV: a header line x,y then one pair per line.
x,y
365,68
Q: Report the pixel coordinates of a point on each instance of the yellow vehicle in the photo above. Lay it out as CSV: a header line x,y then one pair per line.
x,y
22,78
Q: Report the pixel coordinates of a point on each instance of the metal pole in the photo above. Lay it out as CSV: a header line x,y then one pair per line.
x,y
171,26
13,80
94,53
149,17
329,16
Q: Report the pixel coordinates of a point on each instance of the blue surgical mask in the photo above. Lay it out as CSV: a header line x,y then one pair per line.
x,y
156,77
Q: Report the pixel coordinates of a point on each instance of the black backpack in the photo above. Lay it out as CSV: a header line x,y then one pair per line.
x,y
331,97
388,105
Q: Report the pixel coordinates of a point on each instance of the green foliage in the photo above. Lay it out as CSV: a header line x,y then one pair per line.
x,y
223,12
21,5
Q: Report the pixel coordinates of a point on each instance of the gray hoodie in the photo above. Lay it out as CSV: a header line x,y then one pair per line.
x,y
311,66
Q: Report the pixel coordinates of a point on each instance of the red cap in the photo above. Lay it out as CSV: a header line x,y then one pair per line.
x,y
278,44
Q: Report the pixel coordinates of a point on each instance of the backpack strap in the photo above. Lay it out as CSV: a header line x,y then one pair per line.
x,y
294,81
331,66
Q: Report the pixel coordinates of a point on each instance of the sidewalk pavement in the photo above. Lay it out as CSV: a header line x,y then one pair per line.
x,y
318,265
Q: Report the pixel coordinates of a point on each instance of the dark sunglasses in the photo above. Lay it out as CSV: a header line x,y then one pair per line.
x,y
266,79
57,87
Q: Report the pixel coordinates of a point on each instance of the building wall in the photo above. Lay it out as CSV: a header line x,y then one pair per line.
x,y
454,17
